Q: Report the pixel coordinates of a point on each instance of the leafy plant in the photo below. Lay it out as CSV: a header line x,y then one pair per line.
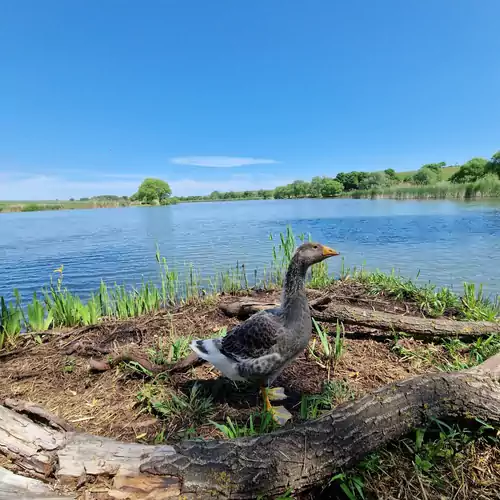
x,y
11,317
137,368
259,423
474,305
69,365
178,349
351,485
333,393
463,356
329,352
38,319
194,408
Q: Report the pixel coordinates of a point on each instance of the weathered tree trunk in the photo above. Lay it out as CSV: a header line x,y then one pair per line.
x,y
297,457
418,327
15,487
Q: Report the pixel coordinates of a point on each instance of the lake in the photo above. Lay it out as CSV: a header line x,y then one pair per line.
x,y
447,242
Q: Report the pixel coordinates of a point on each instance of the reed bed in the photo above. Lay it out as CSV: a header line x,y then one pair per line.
x,y
7,207
487,187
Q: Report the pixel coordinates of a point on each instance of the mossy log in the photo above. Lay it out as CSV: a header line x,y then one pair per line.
x,y
297,457
377,320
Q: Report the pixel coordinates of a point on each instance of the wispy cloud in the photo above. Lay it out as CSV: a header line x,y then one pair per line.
x,y
47,187
186,187
19,186
220,161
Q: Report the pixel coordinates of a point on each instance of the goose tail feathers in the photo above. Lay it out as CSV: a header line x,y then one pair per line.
x,y
209,350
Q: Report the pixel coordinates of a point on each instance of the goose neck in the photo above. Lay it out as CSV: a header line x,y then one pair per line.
x,y
294,285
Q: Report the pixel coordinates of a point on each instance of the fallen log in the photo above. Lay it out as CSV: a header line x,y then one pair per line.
x,y
15,487
296,457
243,308
377,320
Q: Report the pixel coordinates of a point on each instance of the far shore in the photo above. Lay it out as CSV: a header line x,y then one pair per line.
x,y
402,194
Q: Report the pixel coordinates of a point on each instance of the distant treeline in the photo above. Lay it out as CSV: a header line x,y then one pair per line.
x,y
104,197
431,180
477,177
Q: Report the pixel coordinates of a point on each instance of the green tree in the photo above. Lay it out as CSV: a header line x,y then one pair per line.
x,y
299,189
315,187
470,172
435,166
153,190
280,192
374,180
330,187
493,166
426,176
351,180
266,194
391,174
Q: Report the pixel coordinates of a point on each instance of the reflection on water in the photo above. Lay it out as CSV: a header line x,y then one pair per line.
x,y
448,242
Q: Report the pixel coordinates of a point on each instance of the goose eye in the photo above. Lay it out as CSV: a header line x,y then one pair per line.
x,y
315,247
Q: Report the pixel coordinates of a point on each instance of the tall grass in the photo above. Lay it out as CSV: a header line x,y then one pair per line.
x,y
282,255
433,301
328,351
11,318
487,187
23,206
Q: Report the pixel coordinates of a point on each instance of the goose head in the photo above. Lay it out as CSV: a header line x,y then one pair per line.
x,y
311,253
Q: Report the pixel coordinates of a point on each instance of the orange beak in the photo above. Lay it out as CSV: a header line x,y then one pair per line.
x,y
329,252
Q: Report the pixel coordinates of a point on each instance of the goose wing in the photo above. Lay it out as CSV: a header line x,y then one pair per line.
x,y
248,350
254,338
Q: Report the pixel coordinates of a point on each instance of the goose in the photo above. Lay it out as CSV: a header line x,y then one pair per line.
x,y
261,347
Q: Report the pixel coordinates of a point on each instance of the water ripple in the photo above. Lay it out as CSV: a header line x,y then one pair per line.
x,y
448,242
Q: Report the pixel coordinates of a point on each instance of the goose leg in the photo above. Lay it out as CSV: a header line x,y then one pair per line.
x,y
276,394
279,413
265,396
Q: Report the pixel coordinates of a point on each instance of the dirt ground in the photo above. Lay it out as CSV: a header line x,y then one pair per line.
x,y
58,376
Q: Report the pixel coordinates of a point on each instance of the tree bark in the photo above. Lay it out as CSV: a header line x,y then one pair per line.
x,y
298,457
418,327
15,487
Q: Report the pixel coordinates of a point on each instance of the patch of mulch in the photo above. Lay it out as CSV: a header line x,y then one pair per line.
x,y
57,374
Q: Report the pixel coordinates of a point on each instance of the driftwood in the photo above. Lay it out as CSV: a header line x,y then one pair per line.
x,y
296,457
419,327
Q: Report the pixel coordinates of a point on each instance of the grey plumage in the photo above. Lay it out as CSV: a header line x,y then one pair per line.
x,y
261,347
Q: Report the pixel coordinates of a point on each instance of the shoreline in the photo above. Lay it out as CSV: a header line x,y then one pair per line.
x,y
54,306
400,195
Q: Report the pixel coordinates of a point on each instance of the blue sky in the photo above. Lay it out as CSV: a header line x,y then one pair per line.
x,y
226,94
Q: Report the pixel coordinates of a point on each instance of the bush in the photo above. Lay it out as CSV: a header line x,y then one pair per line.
x,y
425,177
470,172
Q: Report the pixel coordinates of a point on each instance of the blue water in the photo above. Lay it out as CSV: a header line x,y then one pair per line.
x,y
447,242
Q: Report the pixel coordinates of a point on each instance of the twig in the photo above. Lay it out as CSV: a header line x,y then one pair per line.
x,y
126,356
